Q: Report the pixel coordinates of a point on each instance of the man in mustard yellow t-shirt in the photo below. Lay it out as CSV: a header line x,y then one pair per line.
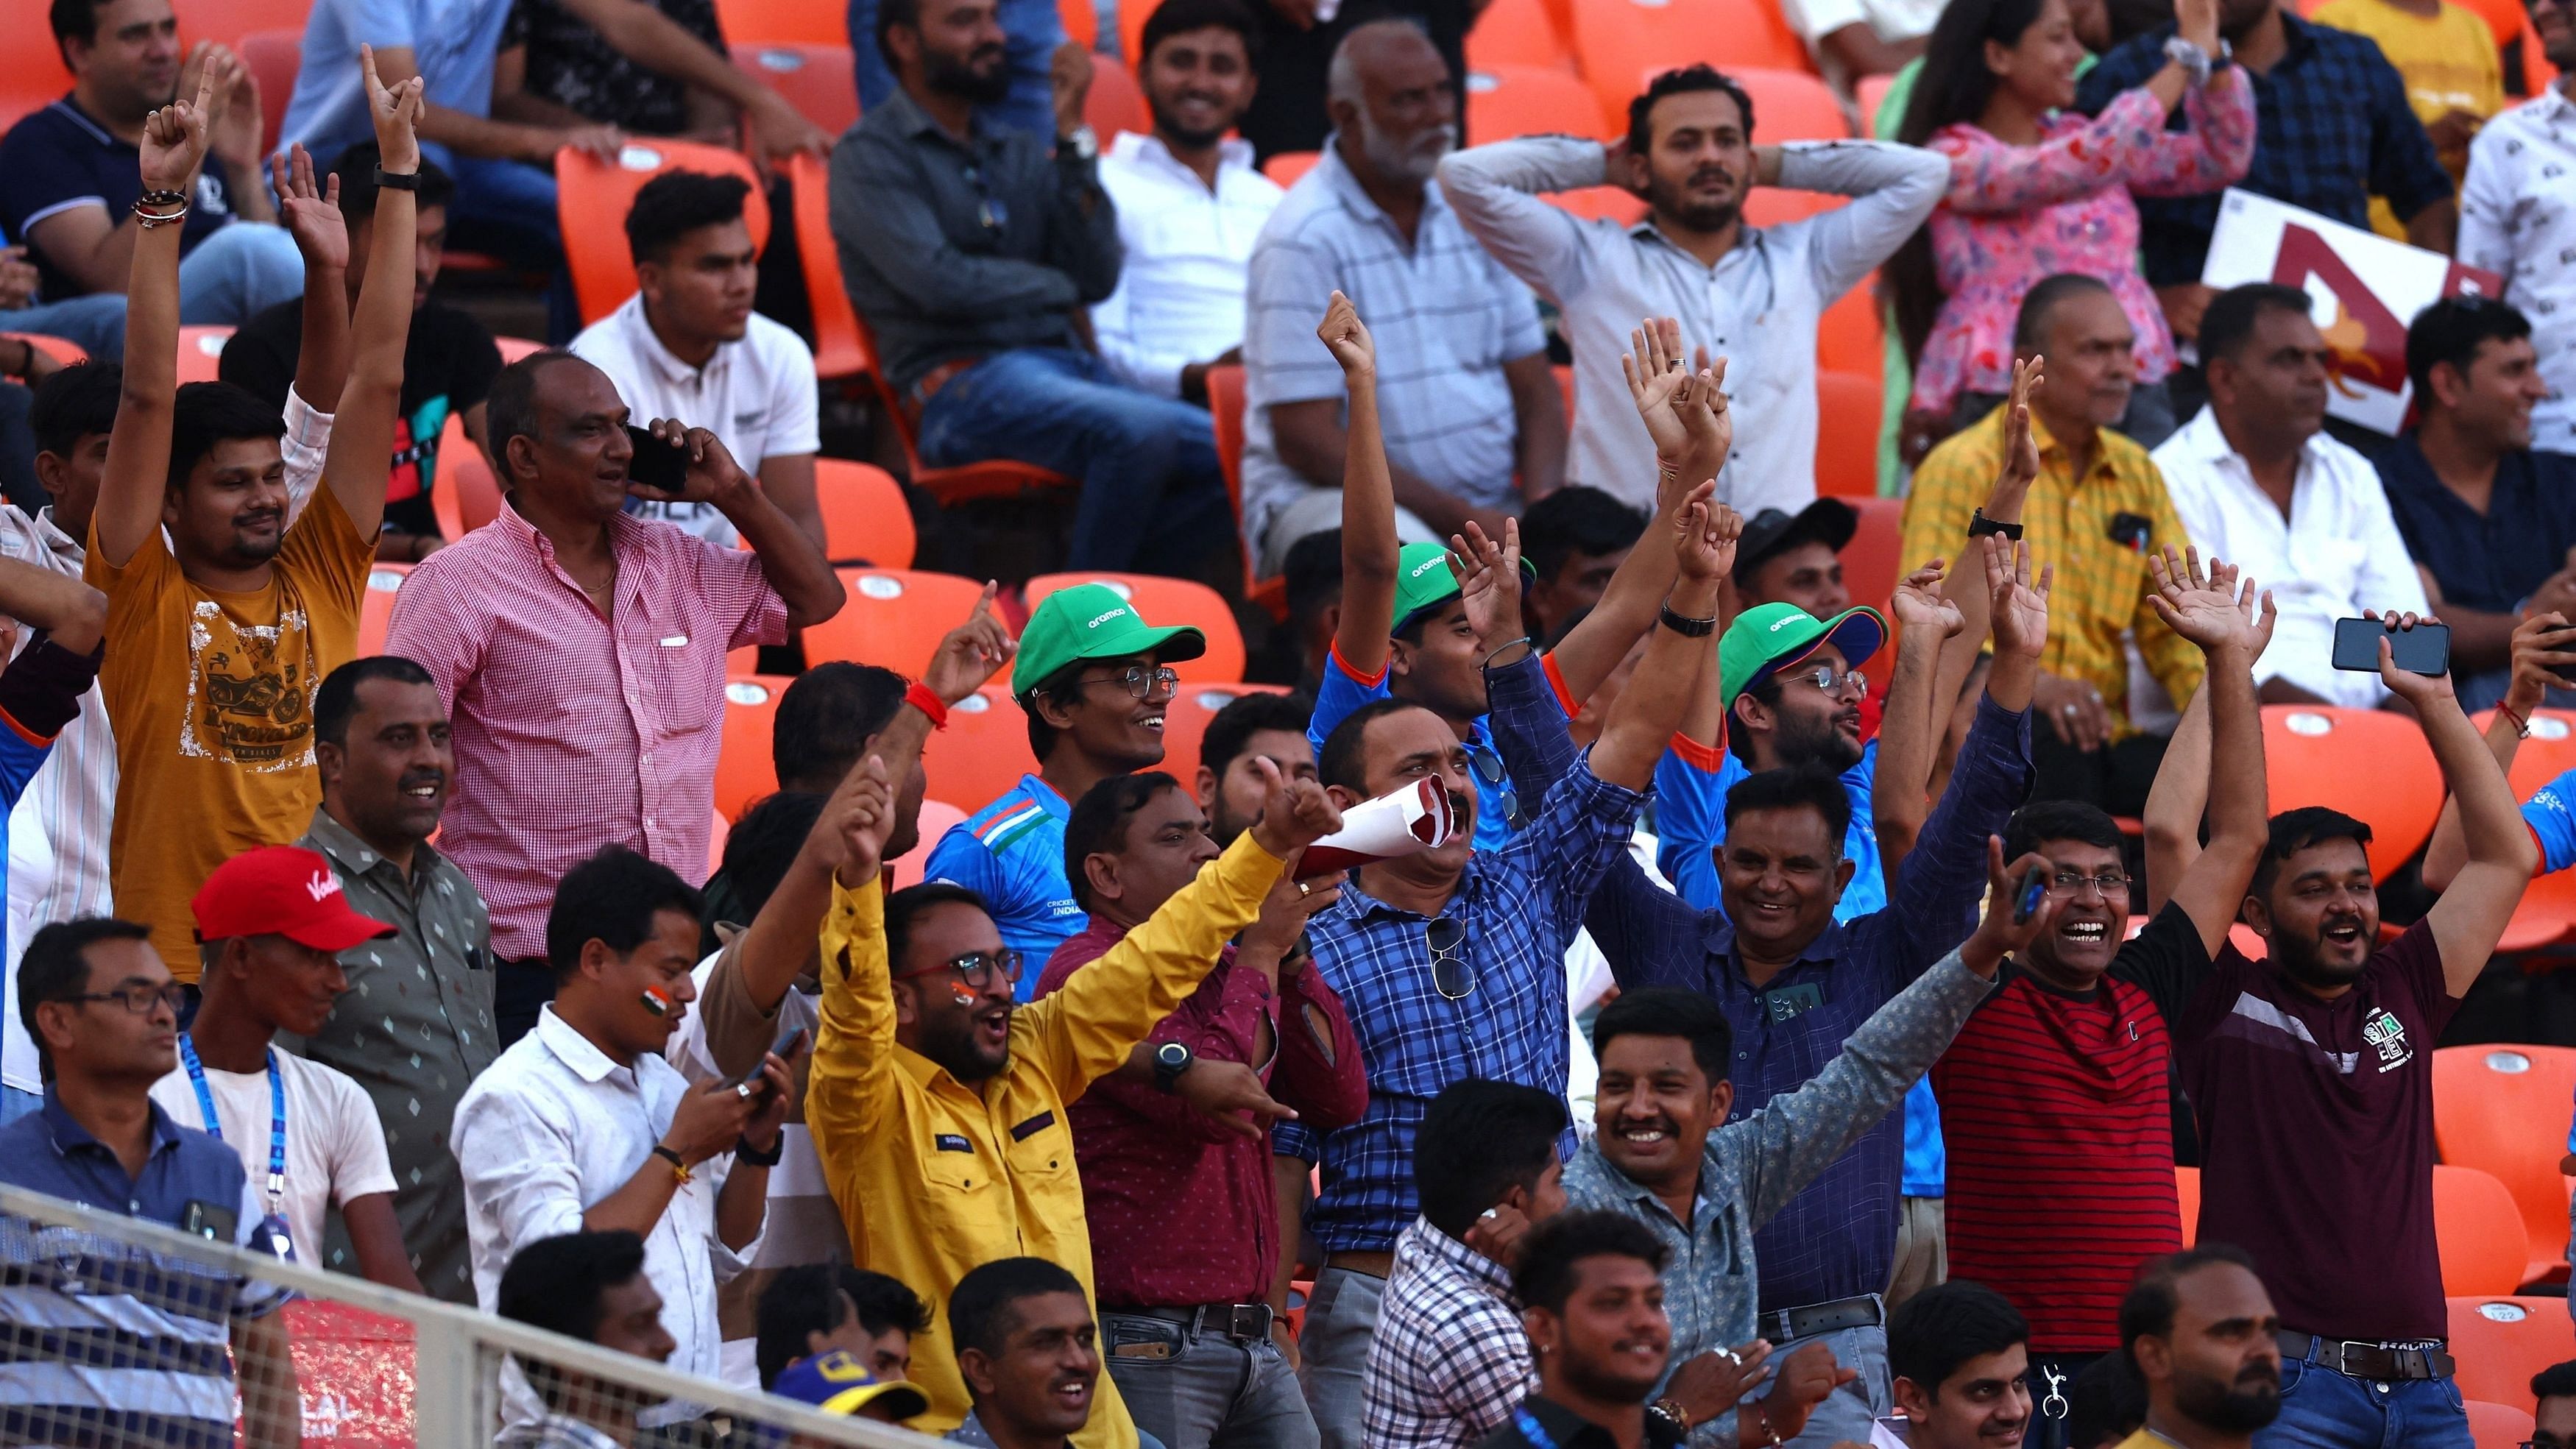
x,y
2200,1326
222,617
2454,77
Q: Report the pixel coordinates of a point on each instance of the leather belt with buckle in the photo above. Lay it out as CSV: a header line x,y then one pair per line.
x,y
2361,1360
918,396
1234,1320
1789,1323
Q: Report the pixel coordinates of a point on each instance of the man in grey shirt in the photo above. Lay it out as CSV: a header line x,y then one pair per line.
x,y
970,247
1749,294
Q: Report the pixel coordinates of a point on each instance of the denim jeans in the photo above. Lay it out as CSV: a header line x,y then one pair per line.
x,y
1153,497
2323,1409
1341,1320
1204,1390
1031,30
242,270
96,323
1849,1411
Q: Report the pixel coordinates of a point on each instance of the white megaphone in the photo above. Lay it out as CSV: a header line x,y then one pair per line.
x,y
1407,822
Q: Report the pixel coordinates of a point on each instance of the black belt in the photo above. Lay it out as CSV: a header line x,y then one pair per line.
x,y
1234,1320
2366,1360
1782,1325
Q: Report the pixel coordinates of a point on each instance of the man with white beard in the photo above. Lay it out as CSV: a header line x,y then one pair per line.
x,y
1468,400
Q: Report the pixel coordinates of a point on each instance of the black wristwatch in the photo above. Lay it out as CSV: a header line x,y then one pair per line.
x,y
747,1155
1170,1060
1684,624
398,180
1979,525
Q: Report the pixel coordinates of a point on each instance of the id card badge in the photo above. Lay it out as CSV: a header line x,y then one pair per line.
x,y
272,1237
1790,1002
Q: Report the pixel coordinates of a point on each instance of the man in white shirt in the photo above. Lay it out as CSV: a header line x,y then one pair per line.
x,y
2258,483
1856,38
1189,203
1751,295
687,345
582,1125
271,921
2518,220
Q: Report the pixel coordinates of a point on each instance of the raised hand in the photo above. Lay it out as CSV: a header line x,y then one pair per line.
x,y
1489,580
1286,910
971,653
2211,610
395,114
1653,367
2544,655
1069,82
2020,610
174,139
1294,813
233,122
1999,935
2416,689
1224,1091
857,819
1922,601
1704,536
2020,467
773,1091
1347,337
311,213
1702,404
712,477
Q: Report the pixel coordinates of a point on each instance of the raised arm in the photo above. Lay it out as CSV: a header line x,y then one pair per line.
x,y
2470,916
311,214
2544,658
1496,190
1369,545
2219,614
70,612
1642,719
1910,727
137,470
790,559
360,461
2017,470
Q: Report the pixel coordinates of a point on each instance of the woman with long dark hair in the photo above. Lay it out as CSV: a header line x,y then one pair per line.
x,y
2037,189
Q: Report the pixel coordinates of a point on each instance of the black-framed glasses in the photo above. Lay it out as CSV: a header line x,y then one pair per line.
x,y
1489,768
1451,976
976,968
991,212
1144,681
141,999
1823,677
2110,883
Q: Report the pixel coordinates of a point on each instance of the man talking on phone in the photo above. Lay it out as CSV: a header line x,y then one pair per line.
x,y
2311,1074
581,651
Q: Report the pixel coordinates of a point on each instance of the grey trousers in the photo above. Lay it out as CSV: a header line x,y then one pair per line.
x,y
1199,1390
1341,1319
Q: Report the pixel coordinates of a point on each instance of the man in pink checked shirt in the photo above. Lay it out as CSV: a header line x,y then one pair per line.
x,y
581,651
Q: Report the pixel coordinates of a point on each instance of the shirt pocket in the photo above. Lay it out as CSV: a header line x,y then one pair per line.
x,y
1038,1146
681,667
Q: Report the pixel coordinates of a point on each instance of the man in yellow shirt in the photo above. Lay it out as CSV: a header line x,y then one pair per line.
x,y
2201,1329
937,1104
2454,78
2095,507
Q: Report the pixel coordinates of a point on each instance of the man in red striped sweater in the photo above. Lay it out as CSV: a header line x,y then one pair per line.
x,y
2054,1097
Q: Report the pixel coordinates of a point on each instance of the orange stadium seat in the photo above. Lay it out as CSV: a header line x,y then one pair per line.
x,y
60,349
745,769
465,496
1504,101
2313,753
839,350
1166,602
274,56
2502,1341
1081,21
2187,1192
1847,442
592,199
1870,567
792,22
1849,336
201,352
2479,1232
32,77
1619,41
1225,410
2499,1109
894,618
376,610
1186,723
1521,33
2546,914
1115,102
936,817
866,519
1792,105
816,79
983,752
2497,1426
230,20
1287,166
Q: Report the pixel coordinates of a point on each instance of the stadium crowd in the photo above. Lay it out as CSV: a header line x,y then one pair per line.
x,y
1719,946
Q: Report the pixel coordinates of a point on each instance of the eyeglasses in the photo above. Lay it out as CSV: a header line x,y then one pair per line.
x,y
140,999
1489,768
1450,973
1823,677
990,211
2109,883
977,969
1143,681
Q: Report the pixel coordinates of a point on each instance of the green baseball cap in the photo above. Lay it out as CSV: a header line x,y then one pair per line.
x,y
1093,621
1769,638
1423,581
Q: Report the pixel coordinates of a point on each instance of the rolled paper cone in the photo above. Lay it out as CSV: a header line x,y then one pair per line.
x,y
1406,822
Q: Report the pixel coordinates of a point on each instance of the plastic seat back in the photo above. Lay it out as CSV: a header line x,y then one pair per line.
x,y
1870,567
274,57
376,606
2501,1341
792,22
2312,754
2496,1108
894,618
1791,104
1518,32
2478,1230
1186,724
1115,102
1504,101
866,519
937,816
2187,1193
816,79
1616,42
983,752
201,352
746,768
1847,437
592,198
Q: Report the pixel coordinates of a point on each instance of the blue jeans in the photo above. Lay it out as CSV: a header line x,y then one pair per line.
x,y
1031,30
506,209
95,322
1849,1411
242,270
1153,498
1341,1320
1206,1389
2323,1409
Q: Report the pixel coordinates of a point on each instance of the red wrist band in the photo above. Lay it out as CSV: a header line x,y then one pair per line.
x,y
918,695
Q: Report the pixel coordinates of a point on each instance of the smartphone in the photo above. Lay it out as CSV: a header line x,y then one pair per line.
x,y
660,466
2034,889
784,1049
2424,649
210,1220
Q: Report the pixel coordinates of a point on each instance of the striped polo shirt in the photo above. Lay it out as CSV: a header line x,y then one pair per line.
x,y
1011,853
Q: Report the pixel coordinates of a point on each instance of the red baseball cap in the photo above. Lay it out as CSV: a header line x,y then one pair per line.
x,y
281,890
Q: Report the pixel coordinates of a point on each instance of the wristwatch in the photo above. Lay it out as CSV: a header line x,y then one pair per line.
x,y
397,180
1170,1060
1979,525
1084,142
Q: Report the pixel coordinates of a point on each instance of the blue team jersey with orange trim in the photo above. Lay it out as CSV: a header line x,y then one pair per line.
x,y
1344,693
1011,853
2551,814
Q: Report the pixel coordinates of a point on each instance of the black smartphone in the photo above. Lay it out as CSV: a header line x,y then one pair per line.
x,y
660,466
210,1220
2034,890
2424,649
784,1049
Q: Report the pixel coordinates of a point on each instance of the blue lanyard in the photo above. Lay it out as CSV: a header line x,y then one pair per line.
x,y
276,1114
1532,1430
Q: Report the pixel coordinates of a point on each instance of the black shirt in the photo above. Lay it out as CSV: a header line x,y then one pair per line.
x,y
58,159
1538,1424
448,366
2491,561
574,66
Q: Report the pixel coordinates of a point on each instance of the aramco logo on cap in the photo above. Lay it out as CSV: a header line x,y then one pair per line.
x,y
1784,621
322,887
1096,620
1436,561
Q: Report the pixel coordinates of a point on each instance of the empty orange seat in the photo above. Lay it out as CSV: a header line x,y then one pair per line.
x,y
1287,166
816,79
1870,567
1504,101
2501,1341
894,618
2496,1426
376,608
1849,336
2187,1192
1517,32
2498,1109
1187,721
866,519
1620,43
60,349
745,768
983,752
2312,754
2478,1230
273,57
1081,23
1792,105
795,22
593,196
1167,602
201,352
1847,436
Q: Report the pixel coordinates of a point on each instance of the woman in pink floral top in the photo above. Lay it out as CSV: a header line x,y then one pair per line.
x,y
2037,189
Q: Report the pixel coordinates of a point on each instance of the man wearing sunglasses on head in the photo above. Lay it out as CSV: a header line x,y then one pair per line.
x,y
1095,681
938,1103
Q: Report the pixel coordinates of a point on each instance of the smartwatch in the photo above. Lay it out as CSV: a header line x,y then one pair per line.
x,y
1084,143
1170,1060
1979,525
